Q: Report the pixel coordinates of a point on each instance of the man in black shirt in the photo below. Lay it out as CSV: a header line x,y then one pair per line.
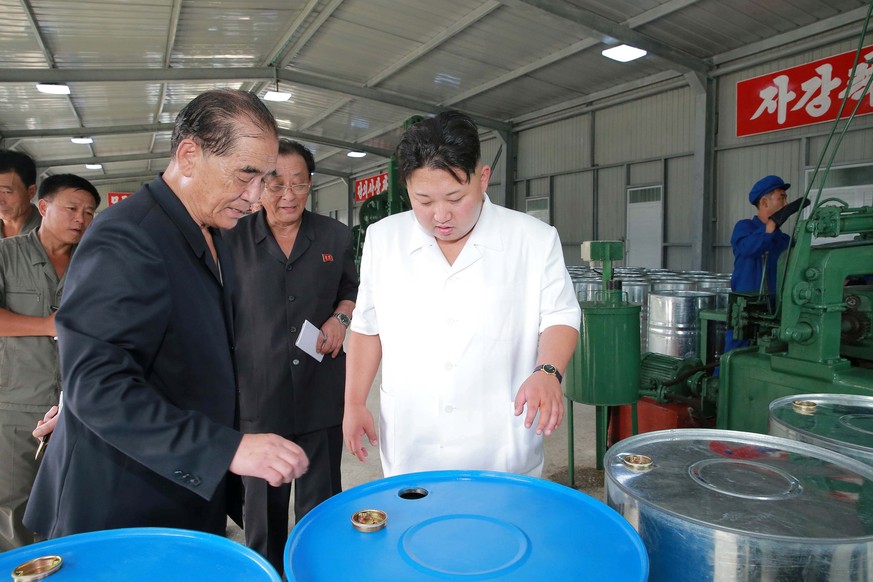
x,y
292,266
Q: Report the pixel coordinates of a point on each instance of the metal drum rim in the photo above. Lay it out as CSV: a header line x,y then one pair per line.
x,y
830,399
691,433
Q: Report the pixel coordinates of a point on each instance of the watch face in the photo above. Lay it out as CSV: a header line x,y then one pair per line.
x,y
344,319
549,369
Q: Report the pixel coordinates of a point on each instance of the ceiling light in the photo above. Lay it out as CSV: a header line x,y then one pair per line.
x,y
94,166
356,154
53,88
277,96
82,140
623,53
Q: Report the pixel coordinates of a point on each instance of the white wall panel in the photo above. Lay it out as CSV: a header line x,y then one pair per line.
x,y
554,148
646,173
679,196
650,127
572,209
333,197
611,204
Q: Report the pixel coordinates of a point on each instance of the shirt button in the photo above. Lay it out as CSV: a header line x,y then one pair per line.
x,y
291,298
449,408
289,267
295,362
449,365
293,330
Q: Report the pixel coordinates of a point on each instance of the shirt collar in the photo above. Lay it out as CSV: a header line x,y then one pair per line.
x,y
483,235
170,203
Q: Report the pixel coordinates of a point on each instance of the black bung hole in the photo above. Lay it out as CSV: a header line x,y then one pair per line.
x,y
413,493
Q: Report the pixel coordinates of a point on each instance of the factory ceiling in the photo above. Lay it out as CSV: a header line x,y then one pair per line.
x,y
355,70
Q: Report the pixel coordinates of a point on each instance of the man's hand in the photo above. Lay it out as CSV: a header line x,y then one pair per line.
x,y
781,215
47,425
542,392
269,457
333,333
357,421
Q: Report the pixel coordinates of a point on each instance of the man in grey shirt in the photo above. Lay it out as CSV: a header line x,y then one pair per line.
x,y
17,188
32,270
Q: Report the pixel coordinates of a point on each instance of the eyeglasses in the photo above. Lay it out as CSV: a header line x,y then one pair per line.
x,y
279,189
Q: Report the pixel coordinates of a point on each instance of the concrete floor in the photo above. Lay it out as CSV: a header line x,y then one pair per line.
x,y
588,479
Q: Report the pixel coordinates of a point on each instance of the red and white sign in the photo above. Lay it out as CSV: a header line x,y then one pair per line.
x,y
369,187
804,95
116,197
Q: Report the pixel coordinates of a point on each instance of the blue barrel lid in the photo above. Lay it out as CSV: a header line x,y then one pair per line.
x,y
470,525
145,555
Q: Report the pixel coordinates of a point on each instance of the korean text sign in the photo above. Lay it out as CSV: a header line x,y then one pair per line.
x,y
805,94
369,187
116,197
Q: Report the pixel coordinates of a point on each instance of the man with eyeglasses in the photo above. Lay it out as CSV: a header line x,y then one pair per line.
x,y
292,266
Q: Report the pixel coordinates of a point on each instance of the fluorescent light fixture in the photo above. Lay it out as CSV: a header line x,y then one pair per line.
x,y
356,154
82,140
94,166
53,88
623,53
277,96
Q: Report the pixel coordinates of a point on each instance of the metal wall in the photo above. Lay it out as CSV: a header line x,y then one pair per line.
x,y
333,197
587,163
741,161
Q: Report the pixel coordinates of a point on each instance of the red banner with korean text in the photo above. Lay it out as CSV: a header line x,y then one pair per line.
x,y
116,197
369,187
805,94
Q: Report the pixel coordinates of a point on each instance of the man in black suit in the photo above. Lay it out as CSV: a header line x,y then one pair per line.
x,y
148,434
292,266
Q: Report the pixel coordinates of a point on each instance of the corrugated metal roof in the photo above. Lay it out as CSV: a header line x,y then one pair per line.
x,y
356,69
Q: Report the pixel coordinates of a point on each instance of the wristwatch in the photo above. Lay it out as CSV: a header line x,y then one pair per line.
x,y
549,369
343,318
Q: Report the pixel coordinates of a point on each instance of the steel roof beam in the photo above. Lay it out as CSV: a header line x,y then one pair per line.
x,y
600,27
168,127
161,75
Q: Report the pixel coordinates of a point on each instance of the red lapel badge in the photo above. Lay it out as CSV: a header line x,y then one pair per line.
x,y
326,258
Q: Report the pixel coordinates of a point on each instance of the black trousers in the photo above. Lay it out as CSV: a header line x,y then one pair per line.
x,y
265,515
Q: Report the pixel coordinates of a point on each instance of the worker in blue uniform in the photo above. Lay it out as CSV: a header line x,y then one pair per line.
x,y
757,242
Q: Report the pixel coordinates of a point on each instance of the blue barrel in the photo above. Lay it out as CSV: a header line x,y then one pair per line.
x,y
465,525
145,554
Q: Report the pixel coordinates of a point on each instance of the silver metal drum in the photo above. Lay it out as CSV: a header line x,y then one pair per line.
x,y
588,289
672,319
840,422
637,291
729,506
662,285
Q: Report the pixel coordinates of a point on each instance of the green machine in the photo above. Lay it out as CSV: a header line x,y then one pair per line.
x,y
819,338
605,368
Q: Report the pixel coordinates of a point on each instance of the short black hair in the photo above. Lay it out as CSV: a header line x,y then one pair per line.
x,y
54,184
289,146
449,141
212,120
21,164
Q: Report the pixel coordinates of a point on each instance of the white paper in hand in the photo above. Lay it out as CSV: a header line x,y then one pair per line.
x,y
308,339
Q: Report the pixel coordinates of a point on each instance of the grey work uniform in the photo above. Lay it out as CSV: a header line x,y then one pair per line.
x,y
29,376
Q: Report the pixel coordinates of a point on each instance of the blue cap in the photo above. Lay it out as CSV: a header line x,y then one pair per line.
x,y
766,185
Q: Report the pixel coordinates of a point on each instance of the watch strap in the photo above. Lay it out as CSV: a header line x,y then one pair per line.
x,y
551,370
